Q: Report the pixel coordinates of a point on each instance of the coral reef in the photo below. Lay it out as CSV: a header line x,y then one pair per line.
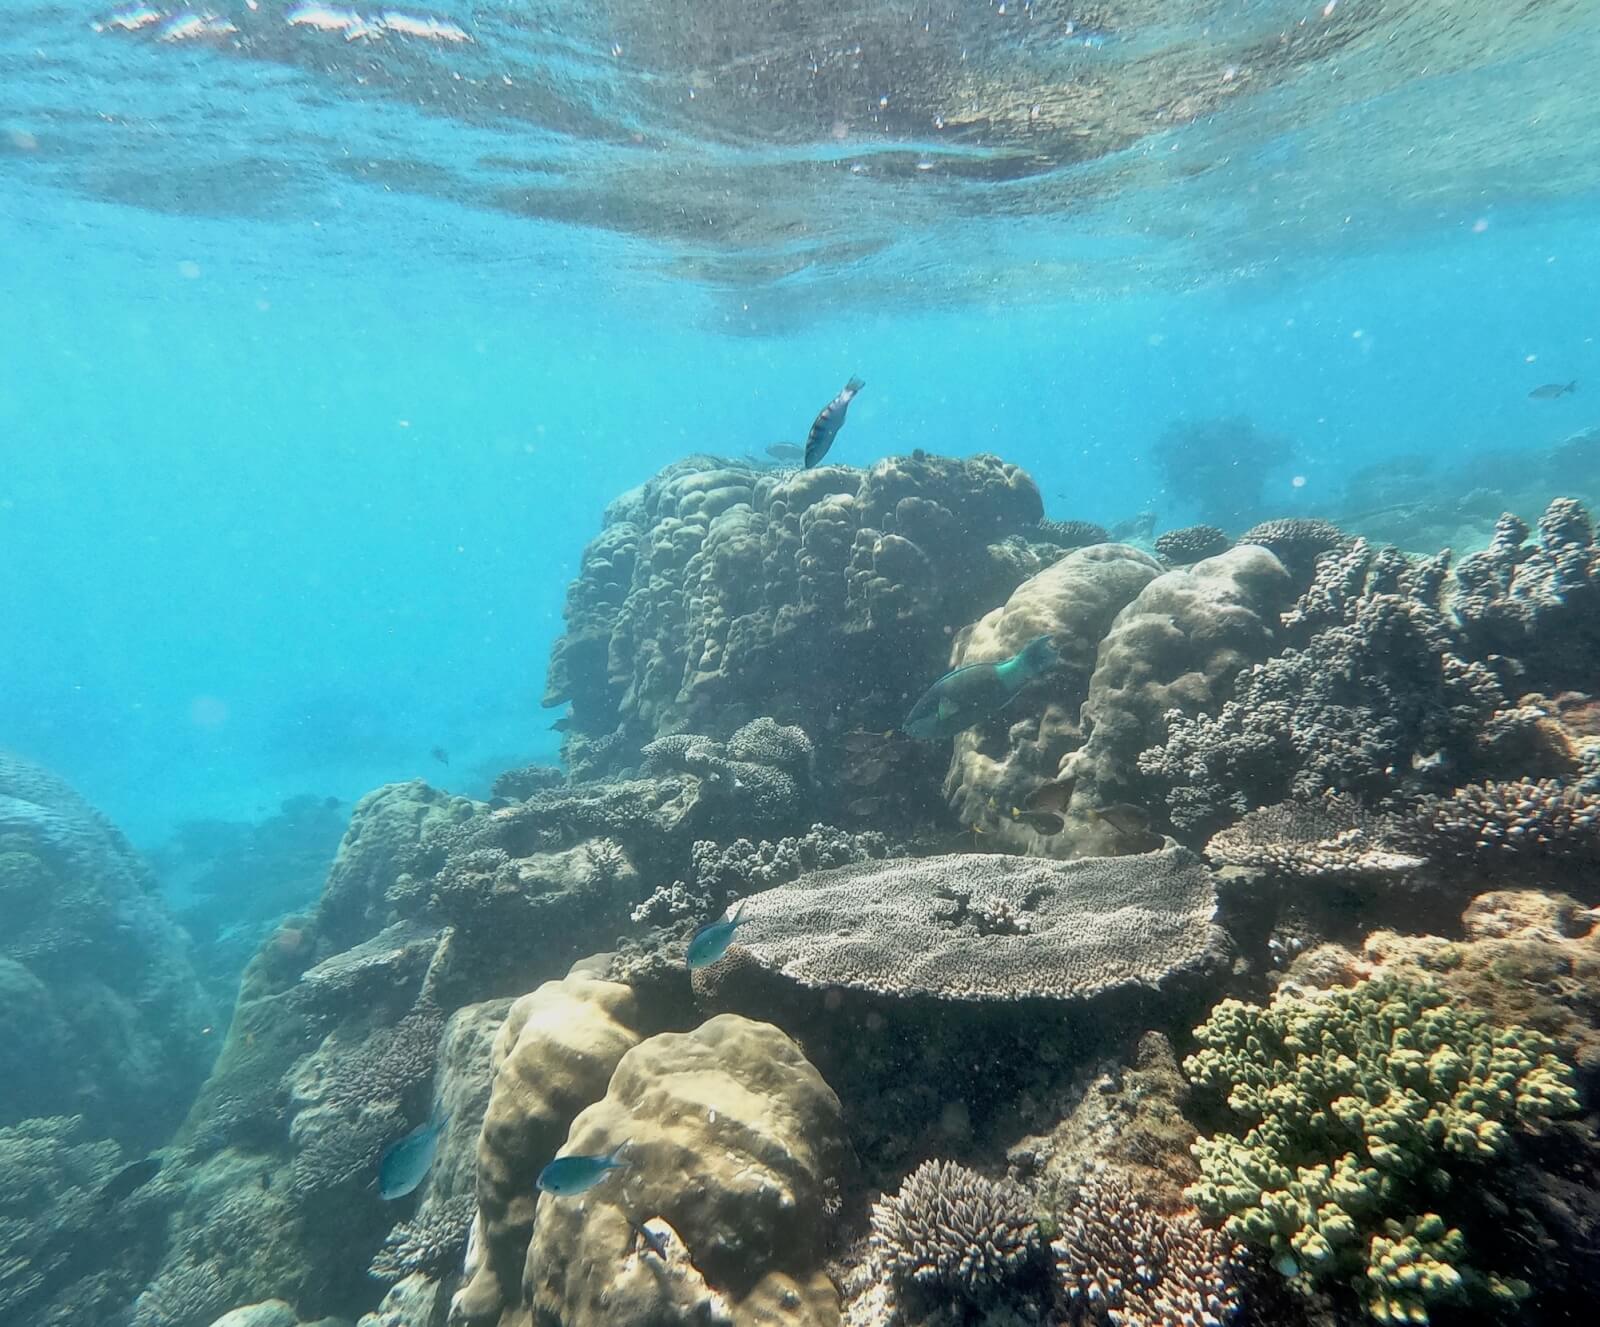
x,y
1332,836
1510,823
953,1234
1358,1104
1123,1262
429,1242
1192,543
1297,542
1219,466
733,1144
1071,534
552,1057
101,1012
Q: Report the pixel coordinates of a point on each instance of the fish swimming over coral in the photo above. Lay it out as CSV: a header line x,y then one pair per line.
x,y
711,941
128,1180
406,1163
969,694
827,424
1551,390
566,1176
786,452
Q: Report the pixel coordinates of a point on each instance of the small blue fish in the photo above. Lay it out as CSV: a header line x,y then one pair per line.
x,y
566,1176
711,941
405,1163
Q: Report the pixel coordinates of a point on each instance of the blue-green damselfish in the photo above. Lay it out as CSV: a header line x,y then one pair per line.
x,y
711,941
566,1176
969,694
405,1162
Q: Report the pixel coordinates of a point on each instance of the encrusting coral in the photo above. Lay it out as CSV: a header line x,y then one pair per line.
x,y
1359,1104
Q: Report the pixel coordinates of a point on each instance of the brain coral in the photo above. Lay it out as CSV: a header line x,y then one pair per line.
x,y
1357,1104
734,1145
912,926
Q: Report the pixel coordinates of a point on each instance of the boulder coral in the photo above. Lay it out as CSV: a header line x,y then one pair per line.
x,y
734,1151
553,1056
1358,1105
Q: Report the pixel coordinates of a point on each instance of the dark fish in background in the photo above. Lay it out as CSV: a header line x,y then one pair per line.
x,y
1550,390
1041,822
969,694
566,1176
1123,817
330,803
127,1180
406,1162
827,425
786,451
562,724
441,755
1050,797
865,806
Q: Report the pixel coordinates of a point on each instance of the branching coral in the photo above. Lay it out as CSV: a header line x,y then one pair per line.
x,y
1359,1104
1191,544
429,1242
1122,1262
951,1231
1510,822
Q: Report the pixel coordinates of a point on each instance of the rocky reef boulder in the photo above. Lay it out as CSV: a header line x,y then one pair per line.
x,y
101,1013
735,1150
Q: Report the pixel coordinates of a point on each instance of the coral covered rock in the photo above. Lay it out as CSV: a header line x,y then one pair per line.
x,y
1191,544
733,1147
996,766
552,1057
101,1013
1358,1103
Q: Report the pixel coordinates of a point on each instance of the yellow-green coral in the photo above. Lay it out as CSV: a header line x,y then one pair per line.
x,y
1359,1101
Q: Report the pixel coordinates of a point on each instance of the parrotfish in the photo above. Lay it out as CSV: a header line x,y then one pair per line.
x,y
566,1176
1550,390
128,1180
827,425
405,1163
711,941
966,695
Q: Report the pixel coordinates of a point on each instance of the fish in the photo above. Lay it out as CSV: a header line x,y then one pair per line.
x,y
128,1180
1042,822
1127,819
654,1240
1551,390
441,755
786,451
406,1162
969,694
562,724
711,941
867,772
566,1176
864,806
826,426
1054,796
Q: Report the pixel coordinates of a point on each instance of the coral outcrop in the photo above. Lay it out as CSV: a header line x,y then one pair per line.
x,y
719,592
1358,1105
1192,543
1332,836
101,1012
734,1147
552,1057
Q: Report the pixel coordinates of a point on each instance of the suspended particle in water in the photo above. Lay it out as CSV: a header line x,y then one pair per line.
x,y
189,270
1299,481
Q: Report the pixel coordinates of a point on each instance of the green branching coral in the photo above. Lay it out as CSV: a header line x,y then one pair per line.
x,y
1360,1103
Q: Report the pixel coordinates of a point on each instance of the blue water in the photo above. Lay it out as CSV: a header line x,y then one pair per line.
x,y
298,459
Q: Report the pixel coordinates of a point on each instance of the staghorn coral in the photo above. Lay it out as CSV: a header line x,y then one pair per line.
x,y
428,1242
1071,534
949,1232
1357,1104
1192,543
1509,823
1122,1262
902,928
1332,836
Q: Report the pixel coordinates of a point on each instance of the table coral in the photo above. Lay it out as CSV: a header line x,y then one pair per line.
x,y
1358,1105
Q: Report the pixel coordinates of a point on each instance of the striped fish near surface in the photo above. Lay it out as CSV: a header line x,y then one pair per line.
x,y
827,425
